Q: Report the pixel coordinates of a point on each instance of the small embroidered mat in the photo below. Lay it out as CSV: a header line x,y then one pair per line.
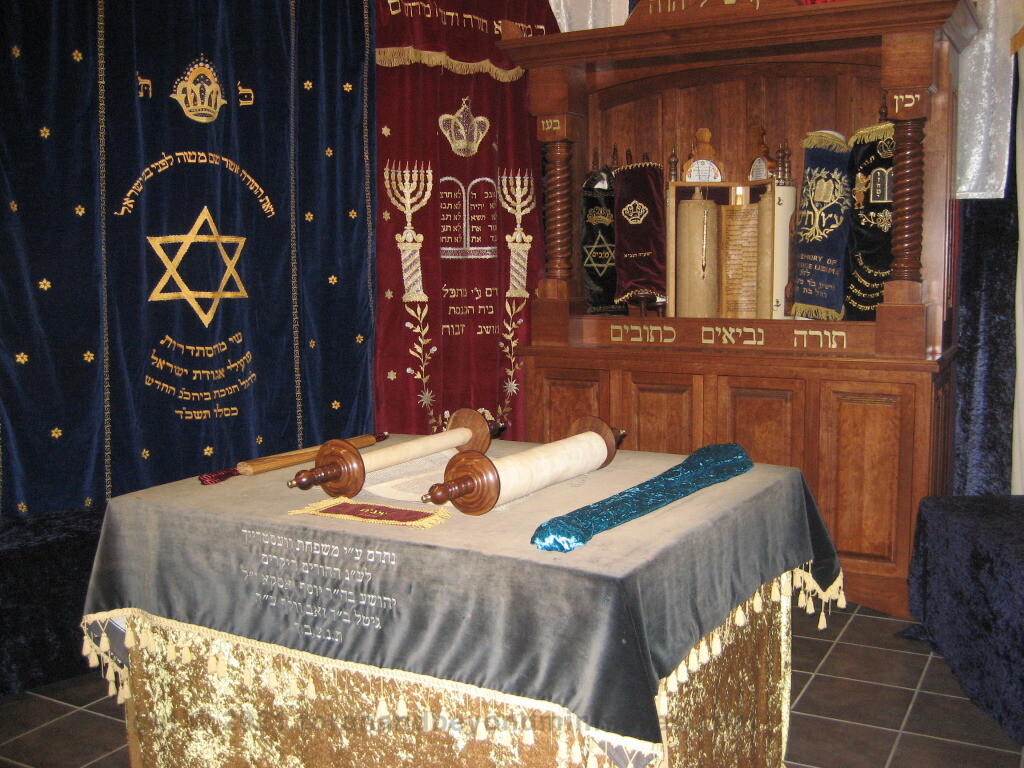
x,y
376,513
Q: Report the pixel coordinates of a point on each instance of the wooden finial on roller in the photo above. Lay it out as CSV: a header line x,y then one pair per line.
x,y
341,470
475,484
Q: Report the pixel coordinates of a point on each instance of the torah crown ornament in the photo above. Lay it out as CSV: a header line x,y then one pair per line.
x,y
635,212
198,92
463,131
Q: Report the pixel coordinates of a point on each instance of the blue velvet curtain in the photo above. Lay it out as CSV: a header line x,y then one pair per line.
x,y
986,366
187,272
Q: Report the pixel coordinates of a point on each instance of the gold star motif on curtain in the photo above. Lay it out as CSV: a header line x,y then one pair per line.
x,y
145,453
208,450
45,285
308,85
360,338
88,501
15,51
76,55
56,432
21,358
329,152
333,279
389,294
259,439
88,356
335,405
184,243
14,206
392,375
312,343
22,506
347,87
386,131
353,215
309,215
44,132
80,210
387,215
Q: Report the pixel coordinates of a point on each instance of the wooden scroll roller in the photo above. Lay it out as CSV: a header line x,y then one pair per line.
x,y
475,484
280,460
341,470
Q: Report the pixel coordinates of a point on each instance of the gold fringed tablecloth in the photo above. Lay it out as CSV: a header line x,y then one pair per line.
x,y
199,698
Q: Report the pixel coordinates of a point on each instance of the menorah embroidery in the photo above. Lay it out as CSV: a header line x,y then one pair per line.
x,y
516,195
409,190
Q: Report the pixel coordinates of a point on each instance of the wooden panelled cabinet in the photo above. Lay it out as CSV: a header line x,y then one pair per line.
x,y
862,408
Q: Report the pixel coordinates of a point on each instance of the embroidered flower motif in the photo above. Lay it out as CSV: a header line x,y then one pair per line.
x,y
145,453
353,215
360,338
22,507
426,398
44,132
76,55
88,501
309,215
333,279
312,343
259,439
88,356
45,285
208,450
308,85
80,210
347,87
21,358
511,387
392,375
329,152
335,405
56,432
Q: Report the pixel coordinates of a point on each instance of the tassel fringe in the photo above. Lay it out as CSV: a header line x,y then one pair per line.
x,y
824,140
397,57
813,312
872,133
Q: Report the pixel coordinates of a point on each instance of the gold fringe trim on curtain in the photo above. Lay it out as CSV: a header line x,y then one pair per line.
x,y
397,57
824,140
815,313
622,168
872,133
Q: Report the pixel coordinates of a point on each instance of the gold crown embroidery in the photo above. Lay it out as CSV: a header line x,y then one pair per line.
x,y
463,131
198,92
635,212
886,147
600,215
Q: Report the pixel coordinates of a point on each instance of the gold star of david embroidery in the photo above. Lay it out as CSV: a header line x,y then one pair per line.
x,y
184,243
599,255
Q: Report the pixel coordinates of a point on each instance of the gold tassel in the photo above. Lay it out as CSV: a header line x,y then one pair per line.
x,y
592,760
104,642
86,645
402,710
672,684
270,679
801,599
822,624
776,592
172,652
382,710
692,662
94,660
528,737
872,133
703,652
740,619
293,687
841,600
186,655
124,693
247,678
576,755
684,676
563,749
211,664
810,604
824,140
503,737
758,604
129,638
310,690
481,730
112,689
662,703
787,586
716,645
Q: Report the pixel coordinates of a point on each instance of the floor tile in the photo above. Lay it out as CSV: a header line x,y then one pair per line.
x,y
855,702
806,625
917,751
939,679
808,653
881,633
874,665
797,685
118,759
108,706
22,712
951,718
832,744
77,691
68,742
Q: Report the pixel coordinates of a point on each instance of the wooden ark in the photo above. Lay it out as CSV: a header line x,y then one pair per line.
x,y
862,408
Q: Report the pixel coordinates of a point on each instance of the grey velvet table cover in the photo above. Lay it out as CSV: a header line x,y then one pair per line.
x,y
470,600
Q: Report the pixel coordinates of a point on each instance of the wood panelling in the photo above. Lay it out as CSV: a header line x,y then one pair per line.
x,y
567,393
765,415
665,411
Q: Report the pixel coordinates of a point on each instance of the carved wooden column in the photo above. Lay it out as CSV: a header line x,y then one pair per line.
x,y
558,216
908,200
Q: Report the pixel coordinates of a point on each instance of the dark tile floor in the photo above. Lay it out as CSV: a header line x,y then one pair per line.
x,y
863,697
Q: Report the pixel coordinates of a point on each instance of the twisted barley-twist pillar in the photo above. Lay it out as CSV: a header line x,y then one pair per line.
x,y
908,200
558,210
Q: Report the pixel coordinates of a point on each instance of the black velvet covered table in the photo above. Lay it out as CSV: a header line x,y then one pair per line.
x,y
967,589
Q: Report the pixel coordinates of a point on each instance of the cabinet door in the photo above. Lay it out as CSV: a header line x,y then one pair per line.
x,y
556,397
865,473
764,415
663,412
